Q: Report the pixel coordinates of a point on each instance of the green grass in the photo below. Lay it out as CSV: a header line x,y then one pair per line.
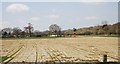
x,y
58,37
3,58
28,38
99,36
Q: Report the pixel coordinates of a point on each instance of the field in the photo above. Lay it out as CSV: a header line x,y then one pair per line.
x,y
78,49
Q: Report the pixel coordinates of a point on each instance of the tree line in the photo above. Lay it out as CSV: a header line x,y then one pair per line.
x,y
56,31
104,29
29,31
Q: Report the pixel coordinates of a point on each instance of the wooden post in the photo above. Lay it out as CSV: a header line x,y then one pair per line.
x,y
105,58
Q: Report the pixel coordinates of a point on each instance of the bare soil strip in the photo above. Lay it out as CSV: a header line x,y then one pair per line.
x,y
59,50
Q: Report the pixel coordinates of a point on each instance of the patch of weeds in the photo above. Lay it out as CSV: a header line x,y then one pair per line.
x,y
3,58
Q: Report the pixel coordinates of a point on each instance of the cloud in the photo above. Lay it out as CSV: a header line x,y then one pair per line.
x,y
91,17
35,18
60,0
17,8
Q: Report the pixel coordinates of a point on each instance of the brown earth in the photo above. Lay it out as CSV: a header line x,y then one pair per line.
x,y
79,49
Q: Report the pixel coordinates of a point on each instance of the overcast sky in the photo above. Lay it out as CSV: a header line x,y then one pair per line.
x,y
59,0
65,14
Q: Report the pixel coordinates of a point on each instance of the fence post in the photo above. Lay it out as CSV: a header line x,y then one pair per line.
x,y
105,58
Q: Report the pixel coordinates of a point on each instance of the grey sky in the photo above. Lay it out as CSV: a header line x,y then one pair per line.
x,y
59,0
65,14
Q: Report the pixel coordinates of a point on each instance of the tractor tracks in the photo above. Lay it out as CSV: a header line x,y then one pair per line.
x,y
13,54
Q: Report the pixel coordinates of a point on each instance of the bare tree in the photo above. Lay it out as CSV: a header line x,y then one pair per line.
x,y
17,31
104,23
37,33
54,28
105,27
6,32
29,29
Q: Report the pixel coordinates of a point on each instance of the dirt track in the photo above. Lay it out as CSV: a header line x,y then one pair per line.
x,y
79,49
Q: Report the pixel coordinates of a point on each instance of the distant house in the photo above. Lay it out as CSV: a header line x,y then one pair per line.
x,y
53,35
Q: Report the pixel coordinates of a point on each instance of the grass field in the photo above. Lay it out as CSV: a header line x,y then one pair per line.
x,y
78,49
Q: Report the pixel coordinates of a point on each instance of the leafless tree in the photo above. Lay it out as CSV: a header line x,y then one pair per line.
x,y
17,31
6,32
29,29
54,28
104,23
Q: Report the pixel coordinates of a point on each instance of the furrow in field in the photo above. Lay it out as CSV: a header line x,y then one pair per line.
x,y
27,54
13,55
9,48
61,49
